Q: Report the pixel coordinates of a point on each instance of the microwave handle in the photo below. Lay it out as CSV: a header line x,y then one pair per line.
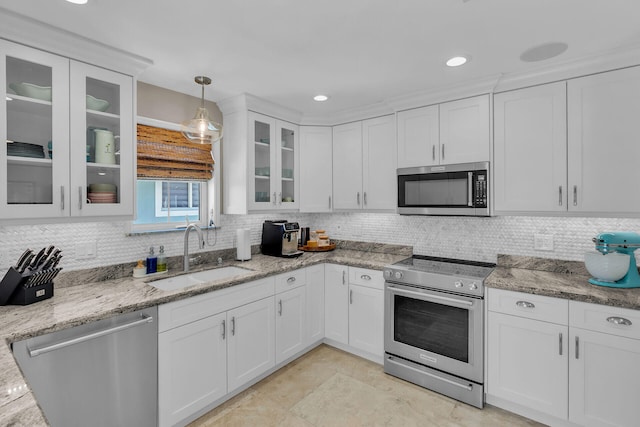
x,y
470,189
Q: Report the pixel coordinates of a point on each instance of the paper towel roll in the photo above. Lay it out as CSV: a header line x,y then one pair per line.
x,y
243,244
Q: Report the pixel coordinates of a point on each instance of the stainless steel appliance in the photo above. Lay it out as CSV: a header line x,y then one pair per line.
x,y
434,325
280,238
99,374
458,189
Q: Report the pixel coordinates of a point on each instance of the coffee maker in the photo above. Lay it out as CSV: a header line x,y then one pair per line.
x,y
280,238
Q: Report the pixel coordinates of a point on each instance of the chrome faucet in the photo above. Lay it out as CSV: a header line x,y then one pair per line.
x,y
185,262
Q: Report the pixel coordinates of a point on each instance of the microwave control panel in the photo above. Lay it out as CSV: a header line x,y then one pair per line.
x,y
480,193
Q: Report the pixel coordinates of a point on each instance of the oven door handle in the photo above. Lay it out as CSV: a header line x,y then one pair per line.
x,y
432,297
468,387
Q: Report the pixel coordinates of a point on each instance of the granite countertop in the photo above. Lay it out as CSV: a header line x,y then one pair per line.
x,y
77,305
555,278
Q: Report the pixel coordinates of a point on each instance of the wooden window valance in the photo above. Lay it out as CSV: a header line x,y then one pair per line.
x,y
167,154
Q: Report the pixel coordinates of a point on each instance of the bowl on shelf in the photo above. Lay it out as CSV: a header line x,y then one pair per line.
x,y
32,91
287,173
102,188
97,104
607,268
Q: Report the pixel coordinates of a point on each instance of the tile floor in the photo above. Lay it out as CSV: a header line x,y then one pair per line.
x,y
329,387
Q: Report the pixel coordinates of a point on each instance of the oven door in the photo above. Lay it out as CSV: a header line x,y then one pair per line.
x,y
435,329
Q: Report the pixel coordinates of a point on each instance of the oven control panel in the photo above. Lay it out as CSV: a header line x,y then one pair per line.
x,y
459,285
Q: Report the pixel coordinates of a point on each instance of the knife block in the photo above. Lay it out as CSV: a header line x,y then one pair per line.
x,y
24,289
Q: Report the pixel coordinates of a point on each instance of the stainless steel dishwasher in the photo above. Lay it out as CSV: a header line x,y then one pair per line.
x,y
99,374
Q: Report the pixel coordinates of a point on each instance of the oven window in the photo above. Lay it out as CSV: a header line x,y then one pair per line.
x,y
437,328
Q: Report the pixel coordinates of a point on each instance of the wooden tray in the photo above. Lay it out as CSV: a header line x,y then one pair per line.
x,y
331,247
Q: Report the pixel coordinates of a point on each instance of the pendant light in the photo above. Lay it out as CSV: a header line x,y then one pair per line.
x,y
201,129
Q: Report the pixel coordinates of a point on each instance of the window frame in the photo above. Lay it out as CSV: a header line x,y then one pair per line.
x,y
209,190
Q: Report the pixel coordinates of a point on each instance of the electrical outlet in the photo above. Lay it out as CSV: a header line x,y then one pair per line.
x,y
87,250
543,242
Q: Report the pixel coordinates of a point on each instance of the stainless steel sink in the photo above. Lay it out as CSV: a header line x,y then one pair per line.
x,y
184,280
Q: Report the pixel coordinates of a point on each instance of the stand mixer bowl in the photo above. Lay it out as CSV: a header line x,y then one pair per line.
x,y
620,246
606,267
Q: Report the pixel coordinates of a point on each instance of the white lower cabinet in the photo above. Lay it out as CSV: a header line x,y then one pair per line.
x,y
315,303
336,308
290,315
563,362
366,311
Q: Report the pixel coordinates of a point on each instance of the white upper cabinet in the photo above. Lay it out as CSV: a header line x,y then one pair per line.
x,y
57,113
530,149
364,165
273,164
604,145
316,169
452,132
418,137
464,130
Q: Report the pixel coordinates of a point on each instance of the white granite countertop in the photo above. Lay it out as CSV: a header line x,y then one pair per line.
x,y
77,305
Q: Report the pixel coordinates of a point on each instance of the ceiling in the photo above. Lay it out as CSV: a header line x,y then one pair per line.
x,y
358,52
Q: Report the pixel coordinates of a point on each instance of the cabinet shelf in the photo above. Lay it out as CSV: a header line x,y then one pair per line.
x,y
102,166
287,149
28,161
25,100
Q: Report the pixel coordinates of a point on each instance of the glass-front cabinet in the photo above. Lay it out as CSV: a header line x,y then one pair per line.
x,y
67,130
273,164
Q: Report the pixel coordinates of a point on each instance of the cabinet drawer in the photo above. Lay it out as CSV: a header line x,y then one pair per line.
x,y
366,277
290,280
529,306
623,322
178,313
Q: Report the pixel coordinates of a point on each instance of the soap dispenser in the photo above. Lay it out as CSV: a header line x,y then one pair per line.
x,y
152,262
162,260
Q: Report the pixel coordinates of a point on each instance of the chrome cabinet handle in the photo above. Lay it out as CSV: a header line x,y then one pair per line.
x,y
280,198
619,321
274,198
575,195
343,274
62,197
82,338
350,296
365,277
329,202
433,152
560,343
442,151
525,304
577,347
280,308
224,329
233,326
560,196
365,198
291,279
80,198
358,198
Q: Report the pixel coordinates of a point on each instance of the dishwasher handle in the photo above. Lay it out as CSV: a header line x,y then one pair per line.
x,y
82,338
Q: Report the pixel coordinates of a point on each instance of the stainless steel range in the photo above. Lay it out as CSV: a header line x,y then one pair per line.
x,y
434,325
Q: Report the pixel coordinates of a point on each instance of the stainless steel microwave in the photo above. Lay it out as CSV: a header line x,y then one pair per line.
x,y
457,189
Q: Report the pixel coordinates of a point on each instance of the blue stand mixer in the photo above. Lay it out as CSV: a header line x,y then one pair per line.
x,y
623,242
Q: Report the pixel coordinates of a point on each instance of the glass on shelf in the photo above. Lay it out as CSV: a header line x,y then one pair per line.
x,y
262,132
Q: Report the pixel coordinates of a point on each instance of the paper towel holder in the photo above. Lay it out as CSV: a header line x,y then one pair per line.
x,y
243,244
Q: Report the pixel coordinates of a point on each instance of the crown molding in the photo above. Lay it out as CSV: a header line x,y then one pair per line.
x,y
246,101
31,32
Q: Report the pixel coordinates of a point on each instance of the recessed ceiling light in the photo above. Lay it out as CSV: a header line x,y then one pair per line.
x,y
320,98
78,1
543,51
456,61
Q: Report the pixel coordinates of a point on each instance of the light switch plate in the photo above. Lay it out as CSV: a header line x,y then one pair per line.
x,y
543,242
87,250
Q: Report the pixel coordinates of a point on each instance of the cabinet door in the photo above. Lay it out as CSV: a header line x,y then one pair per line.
x,y
464,130
366,319
379,182
33,183
287,168
262,162
291,326
102,138
315,303
418,137
336,308
530,149
192,368
315,169
603,142
251,337
347,166
527,363
604,379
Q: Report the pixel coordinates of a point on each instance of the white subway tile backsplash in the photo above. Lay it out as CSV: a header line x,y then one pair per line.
x,y
479,239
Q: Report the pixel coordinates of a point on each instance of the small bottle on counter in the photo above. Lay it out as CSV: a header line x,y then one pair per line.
x,y
139,270
162,260
152,262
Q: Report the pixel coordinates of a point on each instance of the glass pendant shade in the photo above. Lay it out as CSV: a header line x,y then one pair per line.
x,y
201,129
